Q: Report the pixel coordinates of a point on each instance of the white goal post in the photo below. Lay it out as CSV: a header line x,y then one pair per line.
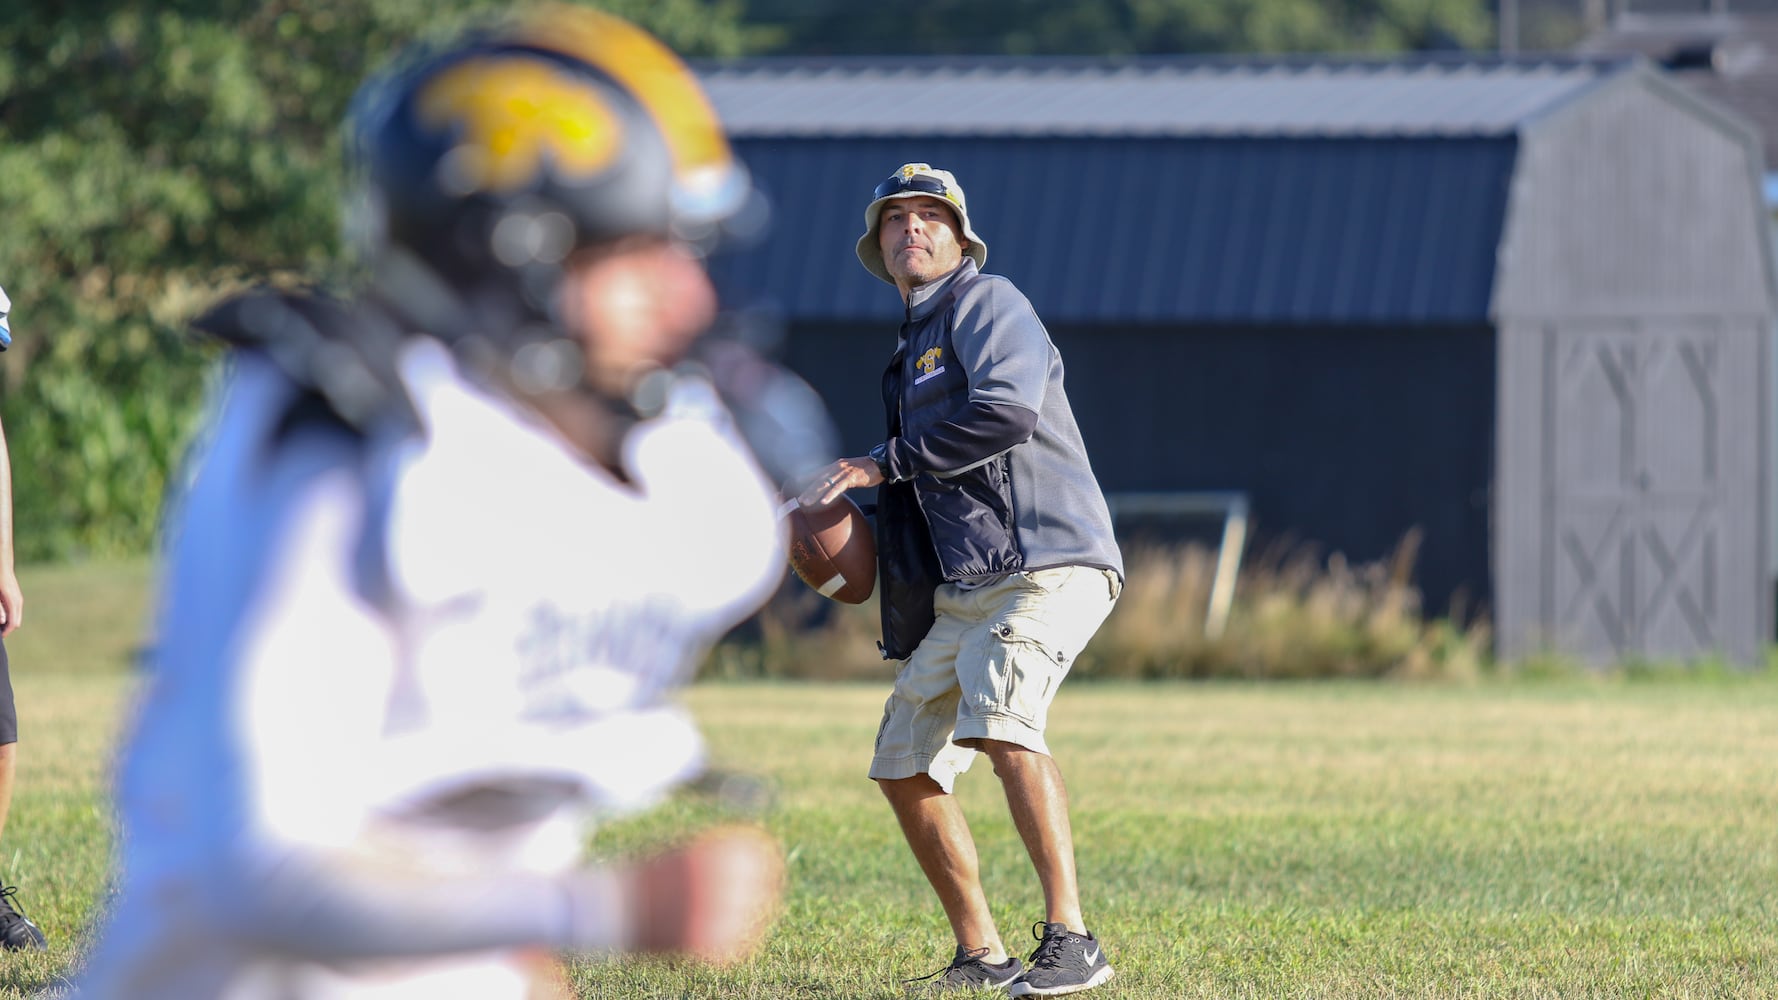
x,y
1230,505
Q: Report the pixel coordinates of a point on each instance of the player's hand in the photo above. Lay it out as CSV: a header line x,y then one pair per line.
x,y
713,898
12,603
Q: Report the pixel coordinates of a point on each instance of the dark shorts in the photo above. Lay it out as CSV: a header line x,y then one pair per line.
x,y
9,713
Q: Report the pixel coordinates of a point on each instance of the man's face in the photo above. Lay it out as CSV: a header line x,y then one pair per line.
x,y
633,305
918,237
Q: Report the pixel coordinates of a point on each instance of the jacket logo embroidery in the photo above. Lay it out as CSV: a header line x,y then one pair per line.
x,y
928,364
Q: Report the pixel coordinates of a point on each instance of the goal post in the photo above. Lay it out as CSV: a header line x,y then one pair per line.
x,y
1228,506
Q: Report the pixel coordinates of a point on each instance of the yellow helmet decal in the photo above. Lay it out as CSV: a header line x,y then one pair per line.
x,y
514,111
649,70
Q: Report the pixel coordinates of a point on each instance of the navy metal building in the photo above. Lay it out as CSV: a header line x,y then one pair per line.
x,y
1520,307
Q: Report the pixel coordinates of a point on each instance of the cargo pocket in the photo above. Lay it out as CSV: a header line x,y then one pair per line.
x,y
1023,667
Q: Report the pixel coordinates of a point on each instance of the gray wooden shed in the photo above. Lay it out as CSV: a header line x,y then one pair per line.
x,y
1524,305
1634,307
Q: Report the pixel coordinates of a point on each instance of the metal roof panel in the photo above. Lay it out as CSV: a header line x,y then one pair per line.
x,y
1141,97
1239,230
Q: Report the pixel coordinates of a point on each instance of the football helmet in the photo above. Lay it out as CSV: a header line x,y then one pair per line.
x,y
481,164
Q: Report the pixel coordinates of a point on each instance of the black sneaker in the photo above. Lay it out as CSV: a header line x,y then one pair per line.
x,y
1064,962
17,932
967,971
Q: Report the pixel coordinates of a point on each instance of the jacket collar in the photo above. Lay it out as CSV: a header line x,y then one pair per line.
x,y
922,301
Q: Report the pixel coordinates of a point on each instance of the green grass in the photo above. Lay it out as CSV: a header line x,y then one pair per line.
x,y
1560,838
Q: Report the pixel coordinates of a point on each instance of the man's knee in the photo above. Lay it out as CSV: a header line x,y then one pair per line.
x,y
902,789
1007,756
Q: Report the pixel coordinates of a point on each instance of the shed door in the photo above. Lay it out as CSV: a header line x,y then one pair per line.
x,y
1638,488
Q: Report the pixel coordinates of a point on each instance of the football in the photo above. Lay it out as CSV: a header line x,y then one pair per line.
x,y
832,549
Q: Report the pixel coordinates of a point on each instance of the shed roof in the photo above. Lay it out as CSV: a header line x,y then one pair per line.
x,y
1164,96
1165,191
1731,59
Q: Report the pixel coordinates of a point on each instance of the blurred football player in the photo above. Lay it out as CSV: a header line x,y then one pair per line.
x,y
446,550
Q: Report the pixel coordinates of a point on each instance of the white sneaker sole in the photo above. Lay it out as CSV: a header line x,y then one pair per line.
x,y
1099,978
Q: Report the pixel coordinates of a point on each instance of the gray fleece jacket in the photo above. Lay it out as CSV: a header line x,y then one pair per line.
x,y
987,472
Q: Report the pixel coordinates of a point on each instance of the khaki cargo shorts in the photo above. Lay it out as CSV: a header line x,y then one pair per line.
x,y
989,669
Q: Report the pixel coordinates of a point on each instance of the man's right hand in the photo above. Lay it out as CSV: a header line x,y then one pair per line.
x,y
837,478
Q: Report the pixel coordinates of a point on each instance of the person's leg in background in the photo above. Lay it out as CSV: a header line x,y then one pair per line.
x,y
17,931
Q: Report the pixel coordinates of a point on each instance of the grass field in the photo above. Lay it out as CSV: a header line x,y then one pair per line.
x,y
1557,839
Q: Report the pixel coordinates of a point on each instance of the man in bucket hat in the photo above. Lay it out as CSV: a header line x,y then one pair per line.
x,y
997,563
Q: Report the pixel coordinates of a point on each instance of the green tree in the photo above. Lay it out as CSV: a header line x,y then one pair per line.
x,y
1124,27
156,153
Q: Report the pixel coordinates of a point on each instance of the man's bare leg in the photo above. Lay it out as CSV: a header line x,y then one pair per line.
x,y
1038,800
935,829
8,765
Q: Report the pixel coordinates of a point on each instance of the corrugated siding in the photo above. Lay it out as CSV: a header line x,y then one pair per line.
x,y
1399,231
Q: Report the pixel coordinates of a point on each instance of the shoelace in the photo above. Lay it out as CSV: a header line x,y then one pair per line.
x,y
7,906
962,958
1049,949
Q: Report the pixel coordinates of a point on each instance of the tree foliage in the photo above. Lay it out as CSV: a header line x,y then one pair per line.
x,y
1125,27
155,153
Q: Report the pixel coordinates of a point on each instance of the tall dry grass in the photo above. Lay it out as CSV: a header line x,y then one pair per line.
x,y
1294,615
